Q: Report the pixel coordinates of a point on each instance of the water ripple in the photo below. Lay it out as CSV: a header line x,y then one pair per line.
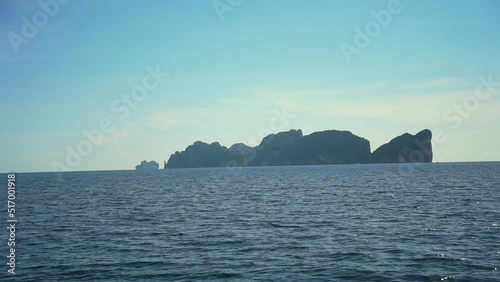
x,y
316,223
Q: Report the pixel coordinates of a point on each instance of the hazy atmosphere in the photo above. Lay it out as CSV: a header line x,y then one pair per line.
x,y
125,81
249,140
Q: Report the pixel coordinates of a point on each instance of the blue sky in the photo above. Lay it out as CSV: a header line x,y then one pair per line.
x,y
231,71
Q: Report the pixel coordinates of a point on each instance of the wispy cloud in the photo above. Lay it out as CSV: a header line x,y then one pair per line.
x,y
163,120
437,83
168,119
389,101
114,137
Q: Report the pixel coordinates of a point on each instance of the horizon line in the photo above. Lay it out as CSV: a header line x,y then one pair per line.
x,y
225,167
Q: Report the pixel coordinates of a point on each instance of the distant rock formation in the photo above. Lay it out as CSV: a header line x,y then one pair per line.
x,y
205,155
318,148
284,148
246,152
406,148
152,165
326,147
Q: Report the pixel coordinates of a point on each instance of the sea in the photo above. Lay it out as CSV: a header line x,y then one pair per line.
x,y
384,222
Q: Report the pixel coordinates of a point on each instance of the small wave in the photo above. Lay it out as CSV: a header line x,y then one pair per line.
x,y
286,225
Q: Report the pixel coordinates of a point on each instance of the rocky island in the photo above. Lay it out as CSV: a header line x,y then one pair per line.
x,y
406,148
152,165
205,155
318,148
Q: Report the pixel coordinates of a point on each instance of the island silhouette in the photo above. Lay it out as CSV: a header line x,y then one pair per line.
x,y
293,148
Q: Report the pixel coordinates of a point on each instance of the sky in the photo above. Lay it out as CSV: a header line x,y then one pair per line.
x,y
103,85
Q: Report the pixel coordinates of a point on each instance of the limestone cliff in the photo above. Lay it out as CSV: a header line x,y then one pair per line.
x,y
284,148
147,165
406,148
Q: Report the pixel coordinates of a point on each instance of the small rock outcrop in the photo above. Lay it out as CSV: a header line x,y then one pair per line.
x,y
152,165
406,148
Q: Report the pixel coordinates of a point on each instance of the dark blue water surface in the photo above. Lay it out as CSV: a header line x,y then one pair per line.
x,y
427,222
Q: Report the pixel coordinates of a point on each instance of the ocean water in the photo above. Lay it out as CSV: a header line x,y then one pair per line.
x,y
424,222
